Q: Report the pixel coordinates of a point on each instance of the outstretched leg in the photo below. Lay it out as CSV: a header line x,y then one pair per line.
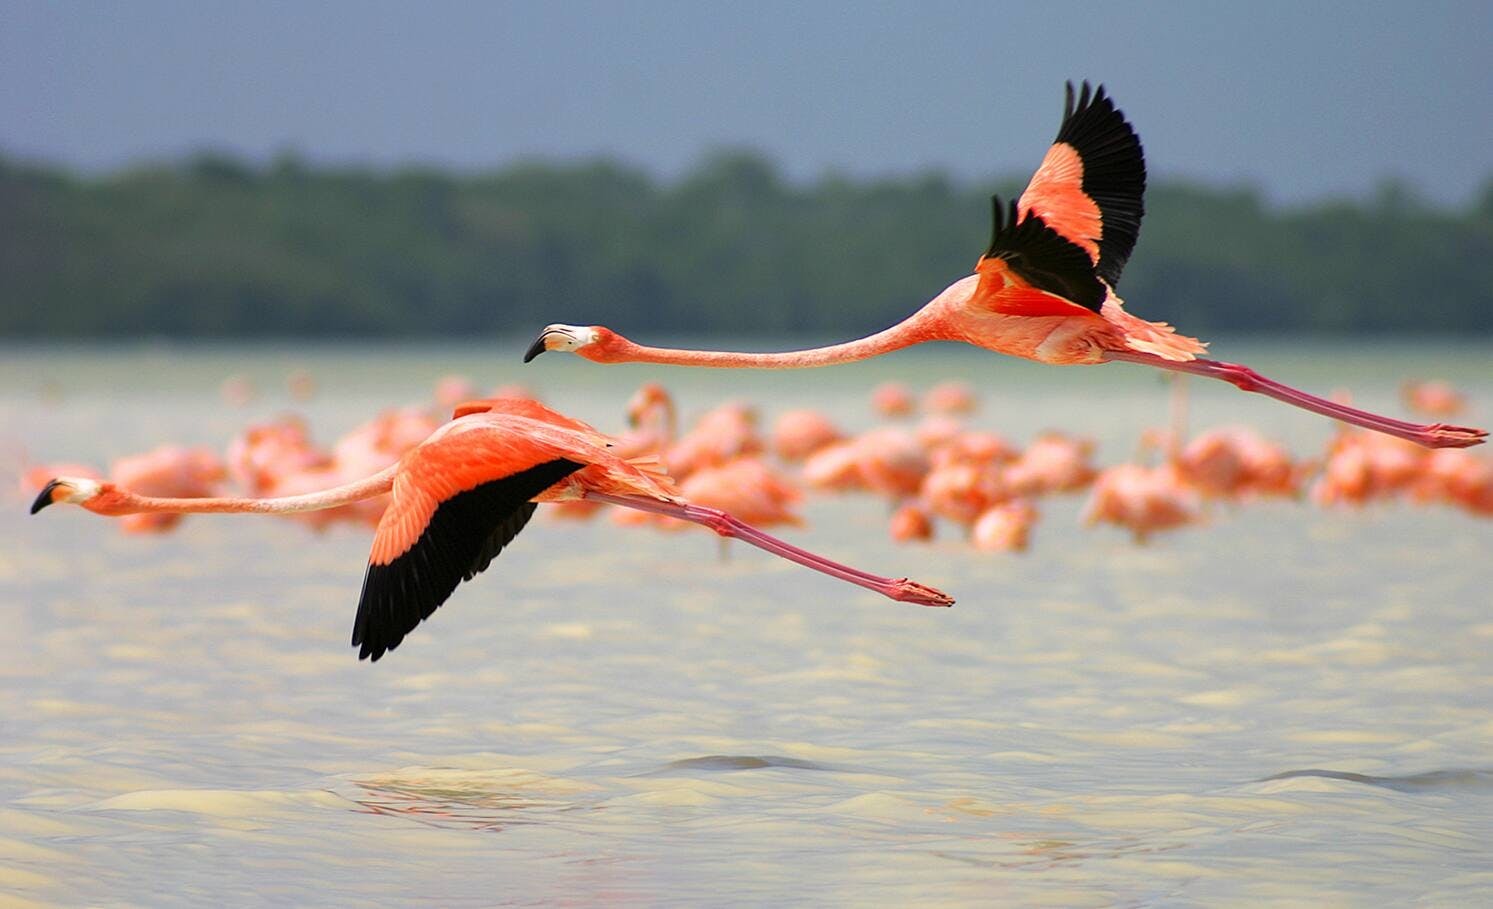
x,y
1436,435
900,589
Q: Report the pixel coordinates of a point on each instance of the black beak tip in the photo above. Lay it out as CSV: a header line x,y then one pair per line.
x,y
45,498
535,349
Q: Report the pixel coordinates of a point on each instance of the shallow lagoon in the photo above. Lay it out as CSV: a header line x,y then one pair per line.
x,y
1288,705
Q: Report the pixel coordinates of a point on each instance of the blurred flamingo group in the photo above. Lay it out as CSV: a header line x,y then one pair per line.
x,y
938,471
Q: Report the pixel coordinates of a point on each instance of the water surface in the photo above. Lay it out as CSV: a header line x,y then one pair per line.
x,y
1288,705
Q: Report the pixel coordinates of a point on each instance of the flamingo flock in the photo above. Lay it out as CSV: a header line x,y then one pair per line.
x,y
923,457
417,478
933,469
445,498
445,495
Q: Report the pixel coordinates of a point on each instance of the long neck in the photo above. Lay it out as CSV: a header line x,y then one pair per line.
x,y
662,420
367,488
917,328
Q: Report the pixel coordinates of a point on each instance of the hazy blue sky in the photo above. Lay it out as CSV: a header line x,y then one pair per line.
x,y
1306,99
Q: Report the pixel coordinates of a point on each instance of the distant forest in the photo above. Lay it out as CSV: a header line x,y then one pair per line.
x,y
210,247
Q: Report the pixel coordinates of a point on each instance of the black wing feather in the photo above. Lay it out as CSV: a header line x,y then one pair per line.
x,y
465,533
1114,172
1044,258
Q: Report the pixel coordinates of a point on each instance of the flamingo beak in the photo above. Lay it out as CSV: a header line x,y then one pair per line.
x,y
559,337
538,347
45,498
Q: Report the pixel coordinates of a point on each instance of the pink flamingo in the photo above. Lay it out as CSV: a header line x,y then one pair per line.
x,y
1362,467
950,397
1006,527
1457,478
796,434
890,462
460,497
1143,499
961,492
1052,463
911,523
1237,462
747,488
1043,290
263,452
834,468
1433,398
721,434
937,431
653,420
301,384
889,399
238,391
451,390
975,446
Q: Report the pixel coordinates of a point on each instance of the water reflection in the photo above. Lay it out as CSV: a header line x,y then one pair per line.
x,y
486,800
1430,781
728,763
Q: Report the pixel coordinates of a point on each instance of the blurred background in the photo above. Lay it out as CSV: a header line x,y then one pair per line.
x,y
221,170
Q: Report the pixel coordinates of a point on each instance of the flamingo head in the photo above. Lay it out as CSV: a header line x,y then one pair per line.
x,y
587,340
72,490
649,396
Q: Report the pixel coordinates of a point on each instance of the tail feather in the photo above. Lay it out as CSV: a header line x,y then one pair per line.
x,y
1156,338
653,466
656,472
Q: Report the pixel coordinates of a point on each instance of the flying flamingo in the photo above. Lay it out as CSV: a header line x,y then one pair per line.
x,y
462,495
1043,290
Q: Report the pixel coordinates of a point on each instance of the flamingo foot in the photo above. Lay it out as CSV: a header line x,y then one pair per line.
x,y
907,591
900,589
1440,435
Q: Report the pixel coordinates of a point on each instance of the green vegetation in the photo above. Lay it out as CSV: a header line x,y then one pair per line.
x,y
214,248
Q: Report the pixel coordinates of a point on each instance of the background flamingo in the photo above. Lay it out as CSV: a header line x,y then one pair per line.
x,y
889,399
1434,398
797,434
1043,290
1006,527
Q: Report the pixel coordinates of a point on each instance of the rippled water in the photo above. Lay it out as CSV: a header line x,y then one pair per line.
x,y
1288,705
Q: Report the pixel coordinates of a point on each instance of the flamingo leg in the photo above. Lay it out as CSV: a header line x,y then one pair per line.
x,y
900,589
1435,435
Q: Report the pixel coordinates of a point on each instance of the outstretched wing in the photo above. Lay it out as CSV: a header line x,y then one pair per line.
x,y
1030,270
1092,182
441,529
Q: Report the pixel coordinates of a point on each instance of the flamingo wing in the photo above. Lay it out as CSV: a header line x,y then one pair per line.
x,y
1092,181
446,540
1032,270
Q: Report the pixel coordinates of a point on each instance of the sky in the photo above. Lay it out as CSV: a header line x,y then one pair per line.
x,y
1305,100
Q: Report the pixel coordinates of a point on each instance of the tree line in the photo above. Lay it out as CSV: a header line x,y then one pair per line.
x,y
212,247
